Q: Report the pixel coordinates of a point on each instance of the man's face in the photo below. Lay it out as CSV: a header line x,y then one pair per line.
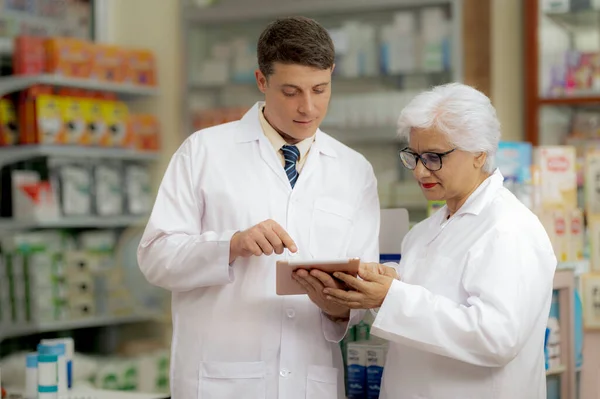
x,y
296,99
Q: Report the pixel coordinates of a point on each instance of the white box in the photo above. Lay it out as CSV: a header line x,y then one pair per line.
x,y
594,233
558,176
33,198
592,182
576,235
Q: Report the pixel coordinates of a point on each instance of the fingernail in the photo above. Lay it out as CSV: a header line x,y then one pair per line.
x,y
293,248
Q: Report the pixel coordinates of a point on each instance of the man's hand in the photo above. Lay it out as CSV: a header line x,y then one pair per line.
x,y
314,283
264,238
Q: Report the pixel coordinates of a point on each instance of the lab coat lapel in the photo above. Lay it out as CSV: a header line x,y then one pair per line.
x,y
250,130
320,148
270,158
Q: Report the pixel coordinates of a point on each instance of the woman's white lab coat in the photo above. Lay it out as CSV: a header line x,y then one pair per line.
x,y
233,337
468,318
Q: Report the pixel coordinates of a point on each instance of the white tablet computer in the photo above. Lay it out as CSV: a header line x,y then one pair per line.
x,y
286,285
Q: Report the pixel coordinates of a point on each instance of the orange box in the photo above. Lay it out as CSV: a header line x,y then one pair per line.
x,y
141,67
27,113
69,57
41,117
29,56
146,130
110,63
9,134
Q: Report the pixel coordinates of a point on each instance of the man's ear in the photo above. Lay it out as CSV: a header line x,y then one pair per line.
x,y
261,80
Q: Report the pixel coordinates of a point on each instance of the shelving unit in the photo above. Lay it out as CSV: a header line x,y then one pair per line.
x,y
574,24
12,331
127,91
99,321
205,26
72,222
564,283
20,153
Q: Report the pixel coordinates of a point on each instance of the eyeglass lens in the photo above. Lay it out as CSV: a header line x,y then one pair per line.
x,y
430,161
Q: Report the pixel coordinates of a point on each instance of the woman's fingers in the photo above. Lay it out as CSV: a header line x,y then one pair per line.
x,y
351,281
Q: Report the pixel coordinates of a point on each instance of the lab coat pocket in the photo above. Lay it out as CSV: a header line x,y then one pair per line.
x,y
321,382
330,228
222,380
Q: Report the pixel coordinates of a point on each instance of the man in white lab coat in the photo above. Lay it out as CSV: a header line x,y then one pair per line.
x,y
236,198
468,318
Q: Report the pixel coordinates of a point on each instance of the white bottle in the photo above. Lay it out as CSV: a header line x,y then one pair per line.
x,y
47,376
58,350
31,376
70,352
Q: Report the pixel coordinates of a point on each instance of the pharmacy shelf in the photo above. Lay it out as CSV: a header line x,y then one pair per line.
x,y
9,155
224,13
581,98
564,282
556,371
101,321
578,267
365,134
11,84
73,222
578,20
91,393
392,80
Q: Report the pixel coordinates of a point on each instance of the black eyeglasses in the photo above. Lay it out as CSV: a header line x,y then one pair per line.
x,y
431,160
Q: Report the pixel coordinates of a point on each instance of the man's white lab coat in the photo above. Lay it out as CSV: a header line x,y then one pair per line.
x,y
233,337
468,318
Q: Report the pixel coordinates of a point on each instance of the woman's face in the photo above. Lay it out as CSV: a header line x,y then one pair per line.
x,y
459,175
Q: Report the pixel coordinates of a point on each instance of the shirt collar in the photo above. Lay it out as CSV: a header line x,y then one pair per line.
x,y
275,138
483,195
478,200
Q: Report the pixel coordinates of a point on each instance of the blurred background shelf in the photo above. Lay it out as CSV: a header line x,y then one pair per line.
x,y
12,84
98,321
10,155
73,222
556,371
228,12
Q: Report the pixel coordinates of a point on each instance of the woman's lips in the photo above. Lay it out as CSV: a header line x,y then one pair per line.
x,y
428,185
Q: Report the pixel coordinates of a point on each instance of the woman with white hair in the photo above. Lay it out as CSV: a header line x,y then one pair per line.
x,y
466,309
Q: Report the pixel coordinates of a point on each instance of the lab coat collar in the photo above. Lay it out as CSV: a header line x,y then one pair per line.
x,y
251,131
483,195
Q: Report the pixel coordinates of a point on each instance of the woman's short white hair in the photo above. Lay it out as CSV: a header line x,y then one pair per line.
x,y
463,113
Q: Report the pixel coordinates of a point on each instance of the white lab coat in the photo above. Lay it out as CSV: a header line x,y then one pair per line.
x,y
468,318
233,337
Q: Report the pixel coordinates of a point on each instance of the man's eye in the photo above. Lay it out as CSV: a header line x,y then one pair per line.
x,y
288,94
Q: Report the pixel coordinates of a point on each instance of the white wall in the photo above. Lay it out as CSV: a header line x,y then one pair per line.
x,y
154,24
507,66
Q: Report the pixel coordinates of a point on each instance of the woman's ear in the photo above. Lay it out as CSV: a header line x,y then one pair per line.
x,y
479,160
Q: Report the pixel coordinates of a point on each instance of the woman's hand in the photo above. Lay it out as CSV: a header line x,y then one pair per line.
x,y
369,293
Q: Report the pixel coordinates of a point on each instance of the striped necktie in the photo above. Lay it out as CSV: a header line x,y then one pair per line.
x,y
291,155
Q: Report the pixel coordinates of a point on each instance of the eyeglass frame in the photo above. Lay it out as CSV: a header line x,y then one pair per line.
x,y
440,155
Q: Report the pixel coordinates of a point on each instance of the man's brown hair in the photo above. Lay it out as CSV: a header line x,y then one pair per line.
x,y
295,40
